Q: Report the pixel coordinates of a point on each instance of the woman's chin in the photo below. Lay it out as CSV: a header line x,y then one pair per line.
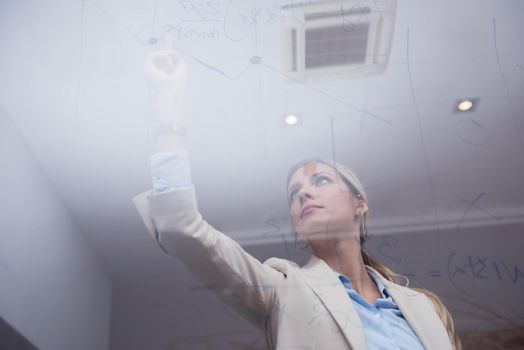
x,y
322,223
324,232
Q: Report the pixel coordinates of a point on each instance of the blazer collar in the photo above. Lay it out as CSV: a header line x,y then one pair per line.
x,y
325,284
412,304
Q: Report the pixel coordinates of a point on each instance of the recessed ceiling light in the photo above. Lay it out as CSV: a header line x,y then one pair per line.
x,y
466,105
291,119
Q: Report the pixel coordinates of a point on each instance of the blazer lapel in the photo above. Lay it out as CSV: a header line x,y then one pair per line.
x,y
419,313
325,284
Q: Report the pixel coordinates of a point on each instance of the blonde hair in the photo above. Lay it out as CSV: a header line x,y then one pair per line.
x,y
355,186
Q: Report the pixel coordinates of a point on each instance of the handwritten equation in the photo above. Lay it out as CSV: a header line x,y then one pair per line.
x,y
481,267
209,20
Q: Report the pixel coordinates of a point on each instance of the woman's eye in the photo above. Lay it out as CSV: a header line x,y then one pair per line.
x,y
320,178
318,181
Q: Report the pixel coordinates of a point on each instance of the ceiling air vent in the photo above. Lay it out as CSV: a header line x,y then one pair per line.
x,y
337,38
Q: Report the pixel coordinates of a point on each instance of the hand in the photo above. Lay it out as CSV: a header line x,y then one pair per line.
x,y
167,70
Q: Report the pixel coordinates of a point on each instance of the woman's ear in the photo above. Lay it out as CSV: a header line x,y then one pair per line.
x,y
362,206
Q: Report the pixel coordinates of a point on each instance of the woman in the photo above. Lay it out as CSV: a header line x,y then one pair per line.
x,y
341,299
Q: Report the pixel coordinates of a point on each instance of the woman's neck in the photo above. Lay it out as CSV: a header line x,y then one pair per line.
x,y
345,257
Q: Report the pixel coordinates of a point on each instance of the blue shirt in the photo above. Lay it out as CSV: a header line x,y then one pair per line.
x,y
384,325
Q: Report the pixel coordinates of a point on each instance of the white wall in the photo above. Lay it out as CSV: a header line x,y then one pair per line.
x,y
53,290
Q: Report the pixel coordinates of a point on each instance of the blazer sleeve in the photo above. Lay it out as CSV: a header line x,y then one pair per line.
x,y
173,220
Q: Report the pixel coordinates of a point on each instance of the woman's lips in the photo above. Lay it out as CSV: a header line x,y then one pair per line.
x,y
308,209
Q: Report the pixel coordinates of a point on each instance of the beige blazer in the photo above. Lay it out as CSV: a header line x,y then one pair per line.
x,y
296,307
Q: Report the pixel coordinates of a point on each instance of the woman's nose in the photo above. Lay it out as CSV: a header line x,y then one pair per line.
x,y
303,195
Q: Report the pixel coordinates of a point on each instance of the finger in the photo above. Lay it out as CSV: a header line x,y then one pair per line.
x,y
163,63
175,57
159,65
156,73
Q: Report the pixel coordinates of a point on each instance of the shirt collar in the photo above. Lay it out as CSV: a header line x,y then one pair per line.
x,y
347,282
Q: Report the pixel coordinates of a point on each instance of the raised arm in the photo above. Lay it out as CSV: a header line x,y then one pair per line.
x,y
167,73
173,220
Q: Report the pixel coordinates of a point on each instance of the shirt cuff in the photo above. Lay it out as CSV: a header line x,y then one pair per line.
x,y
170,170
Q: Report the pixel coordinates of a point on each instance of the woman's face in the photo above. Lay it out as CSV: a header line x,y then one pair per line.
x,y
321,204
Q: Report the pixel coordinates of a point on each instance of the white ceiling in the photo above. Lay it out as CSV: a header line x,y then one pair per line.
x,y
72,81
